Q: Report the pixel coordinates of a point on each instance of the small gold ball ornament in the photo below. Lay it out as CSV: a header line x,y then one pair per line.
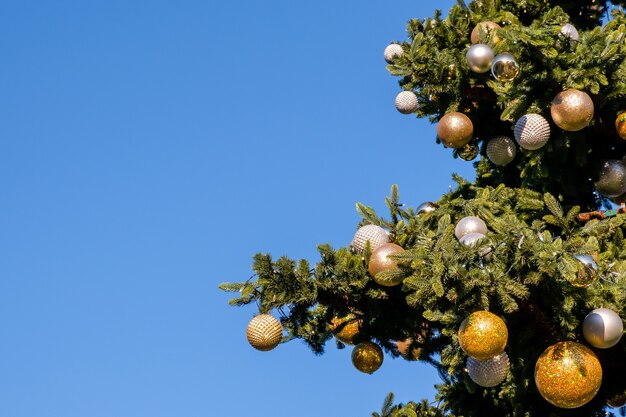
x,y
264,332
568,374
620,125
367,357
380,261
455,130
504,67
346,328
572,110
483,335
486,26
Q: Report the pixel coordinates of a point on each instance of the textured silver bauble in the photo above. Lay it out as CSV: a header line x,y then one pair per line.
x,y
603,328
504,67
406,102
425,208
612,178
264,332
569,31
479,58
470,224
501,150
392,52
532,131
375,235
490,372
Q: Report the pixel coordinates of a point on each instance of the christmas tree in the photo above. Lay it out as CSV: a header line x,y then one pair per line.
x,y
512,285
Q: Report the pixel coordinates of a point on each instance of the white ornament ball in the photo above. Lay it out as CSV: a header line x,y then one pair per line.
x,y
470,239
479,58
376,235
569,31
603,328
490,372
406,102
501,150
470,224
392,52
532,131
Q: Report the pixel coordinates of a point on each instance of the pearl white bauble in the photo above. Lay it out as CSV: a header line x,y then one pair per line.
x,y
406,102
603,328
569,31
392,52
470,224
479,58
376,235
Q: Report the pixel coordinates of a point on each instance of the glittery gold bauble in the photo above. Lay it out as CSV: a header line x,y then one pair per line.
x,y
489,27
572,110
380,261
367,357
620,125
617,401
455,130
264,332
345,328
568,374
409,349
504,67
483,335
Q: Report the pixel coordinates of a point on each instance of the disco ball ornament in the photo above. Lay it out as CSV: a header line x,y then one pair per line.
x,y
470,224
455,130
367,357
569,32
426,208
490,372
468,152
406,102
603,328
264,332
501,150
572,110
612,178
620,125
568,374
375,235
393,51
532,131
483,335
381,261
587,271
345,328
504,67
479,58
486,26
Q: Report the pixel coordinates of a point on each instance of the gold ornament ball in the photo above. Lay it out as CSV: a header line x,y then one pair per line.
x,y
345,328
455,130
504,67
568,374
486,26
572,110
483,335
380,261
620,125
367,357
617,401
264,332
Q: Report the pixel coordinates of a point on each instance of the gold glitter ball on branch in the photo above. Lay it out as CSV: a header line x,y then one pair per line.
x,y
367,357
345,328
380,261
483,335
620,125
455,130
264,332
568,374
572,110
486,26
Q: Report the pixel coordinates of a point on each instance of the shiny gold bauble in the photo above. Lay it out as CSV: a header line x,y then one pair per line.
x,y
617,401
264,332
346,328
483,335
380,261
367,357
572,110
455,130
504,67
620,125
489,26
404,347
568,374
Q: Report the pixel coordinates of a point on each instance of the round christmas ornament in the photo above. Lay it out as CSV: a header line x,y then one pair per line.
x,y
504,67
426,208
404,347
367,357
603,328
568,374
375,235
612,178
483,335
486,26
569,32
264,332
587,271
479,58
620,125
468,152
532,131
406,102
345,328
490,372
572,110
617,401
470,224
392,52
470,239
455,130
501,150
380,261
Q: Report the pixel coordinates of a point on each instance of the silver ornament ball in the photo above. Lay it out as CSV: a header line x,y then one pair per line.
x,y
501,150
392,51
532,131
406,102
426,208
586,273
471,238
569,31
375,235
612,178
504,67
479,58
490,372
603,328
470,224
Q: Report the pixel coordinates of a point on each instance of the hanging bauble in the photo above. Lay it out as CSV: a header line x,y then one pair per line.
x,y
501,150
393,51
483,335
568,374
468,152
587,271
612,178
489,27
504,67
603,328
569,32
620,125
479,58
617,401
470,239
375,235
470,224
455,130
532,131
572,110
490,372
426,208
345,328
406,102
409,349
367,357
264,332
381,261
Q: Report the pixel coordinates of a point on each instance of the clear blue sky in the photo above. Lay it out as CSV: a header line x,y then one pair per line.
x,y
147,150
